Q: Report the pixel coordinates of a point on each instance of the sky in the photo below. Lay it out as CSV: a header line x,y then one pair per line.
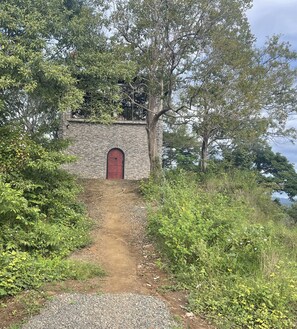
x,y
268,17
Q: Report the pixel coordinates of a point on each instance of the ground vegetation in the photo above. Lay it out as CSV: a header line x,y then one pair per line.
x,y
229,244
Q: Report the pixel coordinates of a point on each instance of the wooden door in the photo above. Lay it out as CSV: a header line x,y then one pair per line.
x,y
115,164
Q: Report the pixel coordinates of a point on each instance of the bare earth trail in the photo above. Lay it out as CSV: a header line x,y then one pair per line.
x,y
121,247
132,292
117,206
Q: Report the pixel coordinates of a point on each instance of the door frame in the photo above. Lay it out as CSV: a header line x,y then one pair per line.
x,y
123,164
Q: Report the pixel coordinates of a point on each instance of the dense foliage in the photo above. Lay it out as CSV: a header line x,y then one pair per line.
x,y
41,221
274,168
230,245
53,57
181,151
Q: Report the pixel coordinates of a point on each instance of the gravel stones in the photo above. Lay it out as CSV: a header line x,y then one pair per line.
x,y
107,311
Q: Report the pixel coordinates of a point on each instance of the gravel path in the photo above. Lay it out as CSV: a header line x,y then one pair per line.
x,y
107,311
124,301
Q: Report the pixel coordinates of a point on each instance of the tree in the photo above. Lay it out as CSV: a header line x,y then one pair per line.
x,y
181,148
274,168
30,77
165,38
277,169
241,93
97,67
222,102
278,92
54,57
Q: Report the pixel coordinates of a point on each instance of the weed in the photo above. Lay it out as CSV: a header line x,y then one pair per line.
x,y
227,242
84,271
15,326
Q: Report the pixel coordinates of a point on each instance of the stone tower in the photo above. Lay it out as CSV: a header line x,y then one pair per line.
x,y
114,151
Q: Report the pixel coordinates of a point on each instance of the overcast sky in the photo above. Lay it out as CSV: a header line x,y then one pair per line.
x,y
268,17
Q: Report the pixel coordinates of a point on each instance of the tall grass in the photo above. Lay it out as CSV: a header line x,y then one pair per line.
x,y
230,245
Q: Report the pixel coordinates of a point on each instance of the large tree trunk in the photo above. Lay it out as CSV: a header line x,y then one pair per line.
x,y
153,117
204,154
155,162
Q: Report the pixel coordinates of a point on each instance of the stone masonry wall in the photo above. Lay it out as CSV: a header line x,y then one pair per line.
x,y
91,143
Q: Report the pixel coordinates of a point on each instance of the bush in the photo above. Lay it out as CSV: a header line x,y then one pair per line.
x,y
20,271
41,220
219,239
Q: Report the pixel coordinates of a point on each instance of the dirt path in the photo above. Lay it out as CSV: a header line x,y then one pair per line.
x,y
121,247
116,238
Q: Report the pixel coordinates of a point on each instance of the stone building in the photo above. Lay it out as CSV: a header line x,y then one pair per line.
x,y
114,151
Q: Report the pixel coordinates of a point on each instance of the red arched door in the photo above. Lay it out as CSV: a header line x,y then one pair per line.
x,y
115,164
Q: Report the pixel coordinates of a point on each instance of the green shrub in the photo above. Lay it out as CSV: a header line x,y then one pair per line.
x,y
41,220
237,258
21,271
